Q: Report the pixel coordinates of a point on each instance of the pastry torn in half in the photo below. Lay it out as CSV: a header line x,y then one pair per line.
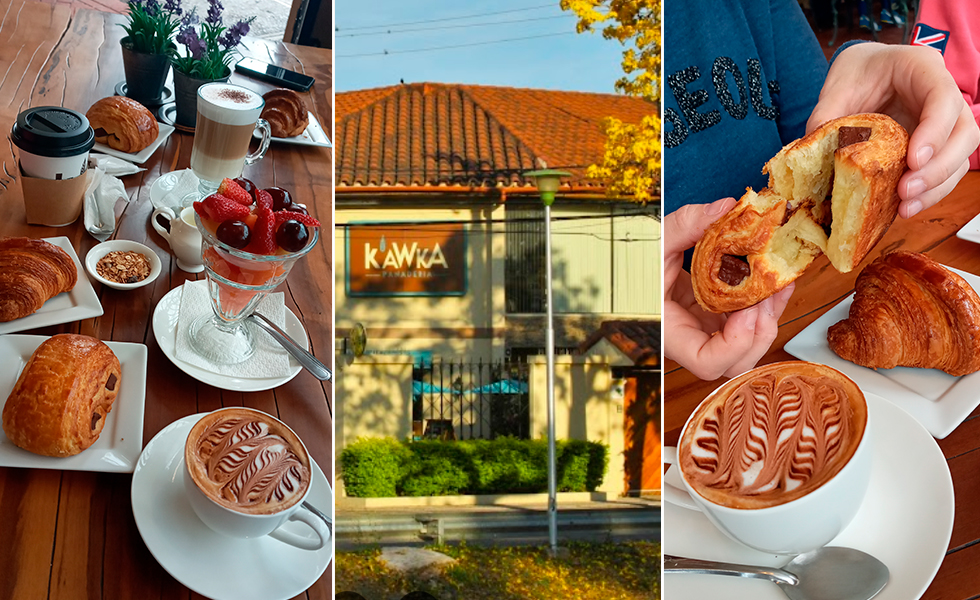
x,y
833,191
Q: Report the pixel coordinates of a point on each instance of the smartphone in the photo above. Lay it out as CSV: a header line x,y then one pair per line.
x,y
275,75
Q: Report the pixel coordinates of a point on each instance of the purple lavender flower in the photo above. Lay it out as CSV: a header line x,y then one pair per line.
x,y
172,6
214,12
152,7
189,38
234,34
190,18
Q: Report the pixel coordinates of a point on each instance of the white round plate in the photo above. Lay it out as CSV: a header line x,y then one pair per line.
x,y
906,520
207,562
165,330
163,185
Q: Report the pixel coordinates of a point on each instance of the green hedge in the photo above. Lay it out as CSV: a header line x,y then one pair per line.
x,y
385,467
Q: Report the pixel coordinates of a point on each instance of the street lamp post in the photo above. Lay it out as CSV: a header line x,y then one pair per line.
x,y
547,181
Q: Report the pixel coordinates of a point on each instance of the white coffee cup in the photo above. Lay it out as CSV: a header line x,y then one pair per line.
x,y
53,142
184,237
236,524
790,528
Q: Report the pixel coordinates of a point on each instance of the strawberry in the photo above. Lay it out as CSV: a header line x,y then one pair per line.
x,y
221,208
229,188
263,199
285,215
263,233
200,209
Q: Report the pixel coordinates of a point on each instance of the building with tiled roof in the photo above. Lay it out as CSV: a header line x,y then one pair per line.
x,y
437,135
440,260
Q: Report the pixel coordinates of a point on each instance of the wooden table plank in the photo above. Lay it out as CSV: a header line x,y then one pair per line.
x,y
68,533
820,288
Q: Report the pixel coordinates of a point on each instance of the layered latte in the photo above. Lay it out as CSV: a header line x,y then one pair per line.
x,y
772,435
247,461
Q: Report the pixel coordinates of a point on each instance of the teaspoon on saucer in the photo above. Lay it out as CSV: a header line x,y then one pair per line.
x,y
309,362
829,573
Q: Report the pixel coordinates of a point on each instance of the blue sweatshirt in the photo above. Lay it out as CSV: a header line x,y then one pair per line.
x,y
741,77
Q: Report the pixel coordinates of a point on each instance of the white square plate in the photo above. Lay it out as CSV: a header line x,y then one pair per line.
x,y
141,156
313,136
80,303
119,446
937,400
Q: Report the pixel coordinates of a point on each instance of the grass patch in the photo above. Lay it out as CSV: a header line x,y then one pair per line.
x,y
626,571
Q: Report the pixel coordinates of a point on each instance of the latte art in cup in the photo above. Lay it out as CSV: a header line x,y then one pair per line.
x,y
246,462
772,435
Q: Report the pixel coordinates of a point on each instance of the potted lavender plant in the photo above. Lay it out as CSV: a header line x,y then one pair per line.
x,y
148,48
209,50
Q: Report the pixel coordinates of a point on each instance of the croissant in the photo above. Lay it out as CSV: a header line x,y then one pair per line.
x,y
60,401
910,311
286,113
123,124
771,237
31,272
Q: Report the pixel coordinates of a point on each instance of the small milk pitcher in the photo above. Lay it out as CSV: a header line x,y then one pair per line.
x,y
183,237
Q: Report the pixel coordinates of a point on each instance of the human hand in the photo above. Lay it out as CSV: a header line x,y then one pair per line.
x,y
710,345
911,85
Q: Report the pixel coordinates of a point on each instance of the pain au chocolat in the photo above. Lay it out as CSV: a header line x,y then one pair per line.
x,y
910,311
59,404
833,191
123,124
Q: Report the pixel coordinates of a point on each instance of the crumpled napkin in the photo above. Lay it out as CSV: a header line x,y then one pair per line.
x,y
269,360
174,199
103,192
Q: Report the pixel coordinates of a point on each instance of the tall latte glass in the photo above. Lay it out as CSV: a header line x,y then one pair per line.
x,y
777,458
226,117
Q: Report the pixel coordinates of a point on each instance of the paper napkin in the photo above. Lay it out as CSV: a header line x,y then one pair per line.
x,y
101,195
186,184
269,360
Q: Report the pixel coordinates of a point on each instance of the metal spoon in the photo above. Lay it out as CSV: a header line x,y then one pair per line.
x,y
309,362
829,573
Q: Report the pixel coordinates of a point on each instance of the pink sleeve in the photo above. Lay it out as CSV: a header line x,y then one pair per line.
x,y
959,22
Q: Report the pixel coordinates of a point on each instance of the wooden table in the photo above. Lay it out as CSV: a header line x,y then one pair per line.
x,y
66,534
821,287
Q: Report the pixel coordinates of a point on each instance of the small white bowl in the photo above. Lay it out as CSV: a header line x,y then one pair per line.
x,y
96,253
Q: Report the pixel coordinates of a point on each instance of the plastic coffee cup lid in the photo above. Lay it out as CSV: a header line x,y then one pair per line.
x,y
53,131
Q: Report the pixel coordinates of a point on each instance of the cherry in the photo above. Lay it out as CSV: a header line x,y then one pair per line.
x,y
292,235
281,199
234,233
299,208
248,186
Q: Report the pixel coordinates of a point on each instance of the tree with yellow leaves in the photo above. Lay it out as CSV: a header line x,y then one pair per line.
x,y
632,160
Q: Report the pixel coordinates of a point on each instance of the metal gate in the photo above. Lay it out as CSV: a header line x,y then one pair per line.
x,y
470,400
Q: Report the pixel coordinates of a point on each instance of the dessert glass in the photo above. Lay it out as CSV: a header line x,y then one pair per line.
x,y
237,282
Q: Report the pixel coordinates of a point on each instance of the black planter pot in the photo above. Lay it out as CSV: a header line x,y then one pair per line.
x,y
146,74
185,96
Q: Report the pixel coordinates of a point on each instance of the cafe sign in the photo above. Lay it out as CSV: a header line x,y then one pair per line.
x,y
423,259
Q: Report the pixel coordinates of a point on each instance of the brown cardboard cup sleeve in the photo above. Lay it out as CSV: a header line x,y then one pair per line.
x,y
53,202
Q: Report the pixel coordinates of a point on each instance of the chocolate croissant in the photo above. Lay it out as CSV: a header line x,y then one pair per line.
x,y
123,124
59,404
31,272
770,238
910,311
286,113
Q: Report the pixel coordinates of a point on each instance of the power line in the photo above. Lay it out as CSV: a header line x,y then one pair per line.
x,y
465,25
437,48
460,18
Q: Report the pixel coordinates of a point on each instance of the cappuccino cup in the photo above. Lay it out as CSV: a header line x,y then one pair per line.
x,y
184,237
778,458
227,115
246,474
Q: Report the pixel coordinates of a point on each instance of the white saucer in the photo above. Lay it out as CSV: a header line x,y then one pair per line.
x,y
163,185
906,520
165,331
937,400
209,563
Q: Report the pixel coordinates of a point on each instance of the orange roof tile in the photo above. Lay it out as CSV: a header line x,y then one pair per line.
x,y
430,134
639,340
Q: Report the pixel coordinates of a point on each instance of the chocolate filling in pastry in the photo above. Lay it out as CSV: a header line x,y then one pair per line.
x,y
95,420
734,269
111,383
852,135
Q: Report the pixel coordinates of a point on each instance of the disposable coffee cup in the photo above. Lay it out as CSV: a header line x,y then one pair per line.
x,y
804,501
54,142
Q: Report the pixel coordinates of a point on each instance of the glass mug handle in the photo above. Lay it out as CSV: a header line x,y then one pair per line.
x,y
263,126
